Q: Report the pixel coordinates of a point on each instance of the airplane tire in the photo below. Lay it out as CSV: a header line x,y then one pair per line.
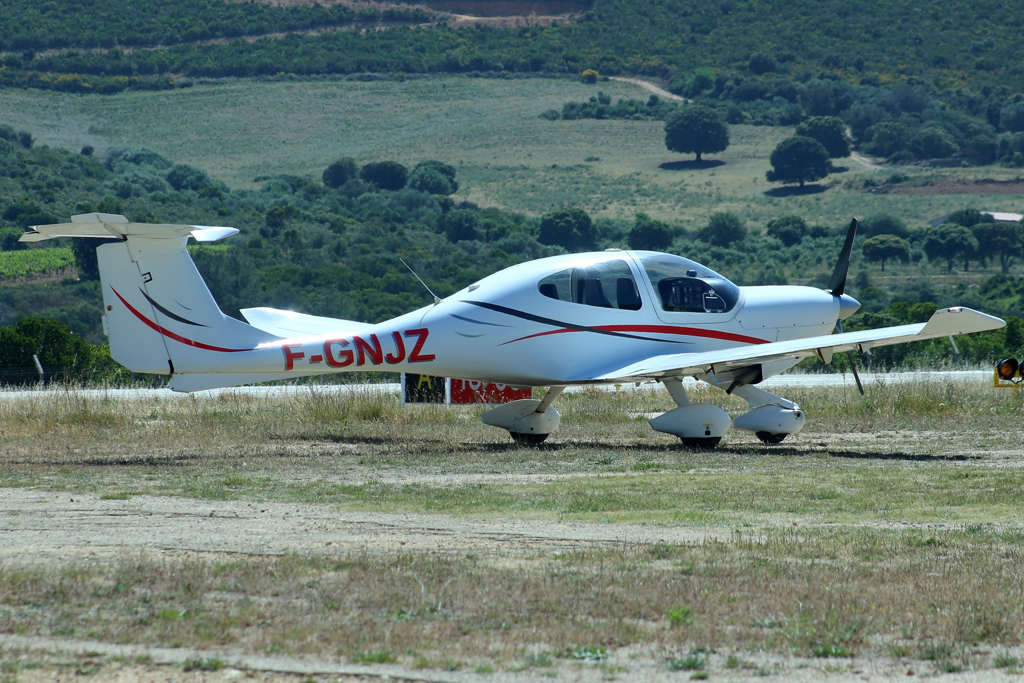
x,y
770,439
527,439
704,443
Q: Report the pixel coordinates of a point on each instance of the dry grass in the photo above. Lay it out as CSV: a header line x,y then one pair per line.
x,y
904,453
819,593
851,579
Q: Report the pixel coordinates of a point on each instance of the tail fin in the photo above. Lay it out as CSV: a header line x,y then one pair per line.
x,y
158,313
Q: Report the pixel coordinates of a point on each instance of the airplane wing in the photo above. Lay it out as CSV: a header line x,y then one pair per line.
x,y
944,322
289,324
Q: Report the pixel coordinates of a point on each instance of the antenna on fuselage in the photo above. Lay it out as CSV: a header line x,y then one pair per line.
x,y
437,299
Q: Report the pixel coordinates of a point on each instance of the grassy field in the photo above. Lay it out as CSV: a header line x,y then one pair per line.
x,y
489,128
887,536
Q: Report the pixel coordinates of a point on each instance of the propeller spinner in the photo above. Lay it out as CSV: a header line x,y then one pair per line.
x,y
837,284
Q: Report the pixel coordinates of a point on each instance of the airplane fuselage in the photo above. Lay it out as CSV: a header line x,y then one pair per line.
x,y
543,340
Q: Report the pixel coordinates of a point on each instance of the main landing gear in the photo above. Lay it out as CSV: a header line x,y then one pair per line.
x,y
702,425
528,420
698,425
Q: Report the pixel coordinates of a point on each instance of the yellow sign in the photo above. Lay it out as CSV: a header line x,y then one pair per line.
x,y
999,383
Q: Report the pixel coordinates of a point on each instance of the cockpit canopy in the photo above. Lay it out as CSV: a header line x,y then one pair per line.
x,y
680,284
606,284
685,286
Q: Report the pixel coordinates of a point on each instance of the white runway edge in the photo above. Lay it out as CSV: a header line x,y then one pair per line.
x,y
779,381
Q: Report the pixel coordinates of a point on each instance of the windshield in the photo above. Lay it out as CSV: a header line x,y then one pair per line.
x,y
683,285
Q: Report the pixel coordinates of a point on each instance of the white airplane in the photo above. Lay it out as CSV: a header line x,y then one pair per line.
x,y
577,319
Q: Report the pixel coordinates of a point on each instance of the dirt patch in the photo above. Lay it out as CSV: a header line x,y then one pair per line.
x,y
44,526
985,186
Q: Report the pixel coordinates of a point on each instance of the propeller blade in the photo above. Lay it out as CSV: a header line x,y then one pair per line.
x,y
837,285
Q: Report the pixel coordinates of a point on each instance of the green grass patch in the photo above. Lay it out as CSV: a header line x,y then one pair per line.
x,y
26,263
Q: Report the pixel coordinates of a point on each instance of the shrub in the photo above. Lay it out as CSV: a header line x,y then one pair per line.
x,y
830,131
934,143
761,63
434,177
139,156
789,230
460,225
590,76
340,172
185,177
571,229
387,175
723,230
650,234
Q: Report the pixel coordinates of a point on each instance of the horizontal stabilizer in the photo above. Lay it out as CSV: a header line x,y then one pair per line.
x,y
289,324
111,225
944,322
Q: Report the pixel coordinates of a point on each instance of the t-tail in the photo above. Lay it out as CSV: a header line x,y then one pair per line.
x,y
158,312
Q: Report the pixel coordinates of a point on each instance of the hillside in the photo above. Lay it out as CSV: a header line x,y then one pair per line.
x,y
952,45
333,249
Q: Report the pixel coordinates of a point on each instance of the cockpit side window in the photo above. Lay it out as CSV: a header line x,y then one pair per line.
x,y
605,285
684,286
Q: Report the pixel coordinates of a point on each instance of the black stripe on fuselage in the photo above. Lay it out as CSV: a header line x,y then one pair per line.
x,y
559,323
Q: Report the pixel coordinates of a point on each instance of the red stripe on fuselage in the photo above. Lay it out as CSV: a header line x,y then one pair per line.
x,y
176,337
657,329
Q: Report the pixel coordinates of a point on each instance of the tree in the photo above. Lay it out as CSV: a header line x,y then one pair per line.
x,y
435,177
649,234
883,224
797,160
968,217
568,228
886,138
275,219
934,143
387,175
761,63
1011,117
884,247
185,177
696,129
789,230
830,131
950,242
1000,240
340,172
86,262
61,352
723,230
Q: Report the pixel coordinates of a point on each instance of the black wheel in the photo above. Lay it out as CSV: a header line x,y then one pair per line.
x,y
769,438
702,443
525,439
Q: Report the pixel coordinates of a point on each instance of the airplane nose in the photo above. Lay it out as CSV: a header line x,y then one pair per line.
x,y
847,306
